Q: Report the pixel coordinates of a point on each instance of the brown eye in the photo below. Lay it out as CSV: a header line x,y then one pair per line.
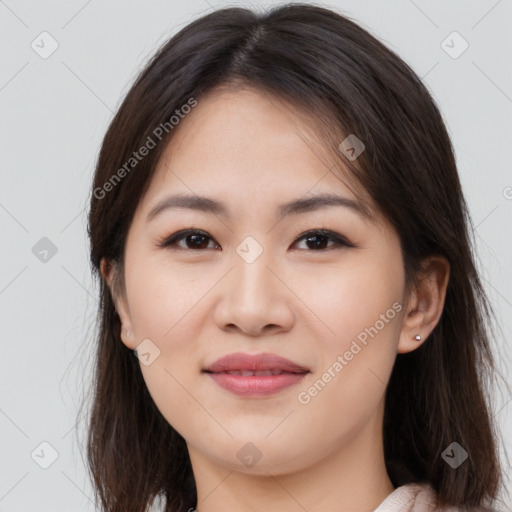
x,y
317,240
193,239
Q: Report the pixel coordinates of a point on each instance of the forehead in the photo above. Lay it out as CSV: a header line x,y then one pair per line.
x,y
250,145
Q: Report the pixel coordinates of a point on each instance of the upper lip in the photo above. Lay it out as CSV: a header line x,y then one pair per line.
x,y
256,362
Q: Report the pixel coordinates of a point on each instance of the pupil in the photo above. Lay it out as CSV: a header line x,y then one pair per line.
x,y
195,238
316,237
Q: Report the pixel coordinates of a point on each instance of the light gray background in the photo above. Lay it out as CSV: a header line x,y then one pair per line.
x,y
54,113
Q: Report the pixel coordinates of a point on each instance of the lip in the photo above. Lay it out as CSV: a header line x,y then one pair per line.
x,y
255,362
255,385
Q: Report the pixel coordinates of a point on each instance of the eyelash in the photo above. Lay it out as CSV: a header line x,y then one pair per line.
x,y
171,242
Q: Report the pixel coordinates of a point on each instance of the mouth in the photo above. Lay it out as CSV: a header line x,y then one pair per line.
x,y
255,364
249,375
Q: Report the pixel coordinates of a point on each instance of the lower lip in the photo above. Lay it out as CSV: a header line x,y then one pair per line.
x,y
256,385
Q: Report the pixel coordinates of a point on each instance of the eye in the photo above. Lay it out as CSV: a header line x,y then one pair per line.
x,y
196,239
319,237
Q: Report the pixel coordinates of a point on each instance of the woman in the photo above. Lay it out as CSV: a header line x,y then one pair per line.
x,y
290,318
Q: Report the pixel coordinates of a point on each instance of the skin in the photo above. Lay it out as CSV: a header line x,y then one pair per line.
x,y
196,305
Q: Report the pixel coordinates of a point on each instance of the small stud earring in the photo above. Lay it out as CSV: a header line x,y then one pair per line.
x,y
417,337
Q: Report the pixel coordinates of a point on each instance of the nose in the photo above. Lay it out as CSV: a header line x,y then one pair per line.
x,y
255,297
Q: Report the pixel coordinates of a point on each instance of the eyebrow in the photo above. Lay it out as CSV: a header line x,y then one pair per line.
x,y
295,207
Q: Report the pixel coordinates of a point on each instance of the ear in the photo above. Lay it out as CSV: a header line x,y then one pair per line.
x,y
425,303
109,272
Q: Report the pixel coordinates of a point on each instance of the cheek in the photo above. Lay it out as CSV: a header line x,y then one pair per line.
x,y
162,306
173,394
361,315
364,312
351,298
161,300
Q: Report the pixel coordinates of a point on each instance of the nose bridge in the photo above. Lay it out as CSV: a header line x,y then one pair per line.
x,y
255,294
251,262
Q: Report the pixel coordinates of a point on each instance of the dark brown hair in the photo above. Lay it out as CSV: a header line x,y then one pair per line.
x,y
337,73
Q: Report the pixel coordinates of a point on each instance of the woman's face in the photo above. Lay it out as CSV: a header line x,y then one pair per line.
x,y
250,282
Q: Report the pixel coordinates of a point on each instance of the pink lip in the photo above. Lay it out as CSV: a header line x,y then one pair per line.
x,y
255,385
261,362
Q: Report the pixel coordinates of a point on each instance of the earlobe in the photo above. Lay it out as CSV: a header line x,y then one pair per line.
x,y
105,269
426,304
127,337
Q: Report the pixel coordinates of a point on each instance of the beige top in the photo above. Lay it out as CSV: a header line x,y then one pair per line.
x,y
413,497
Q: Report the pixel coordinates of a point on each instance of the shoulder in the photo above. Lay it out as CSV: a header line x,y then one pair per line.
x,y
411,497
426,500
420,497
